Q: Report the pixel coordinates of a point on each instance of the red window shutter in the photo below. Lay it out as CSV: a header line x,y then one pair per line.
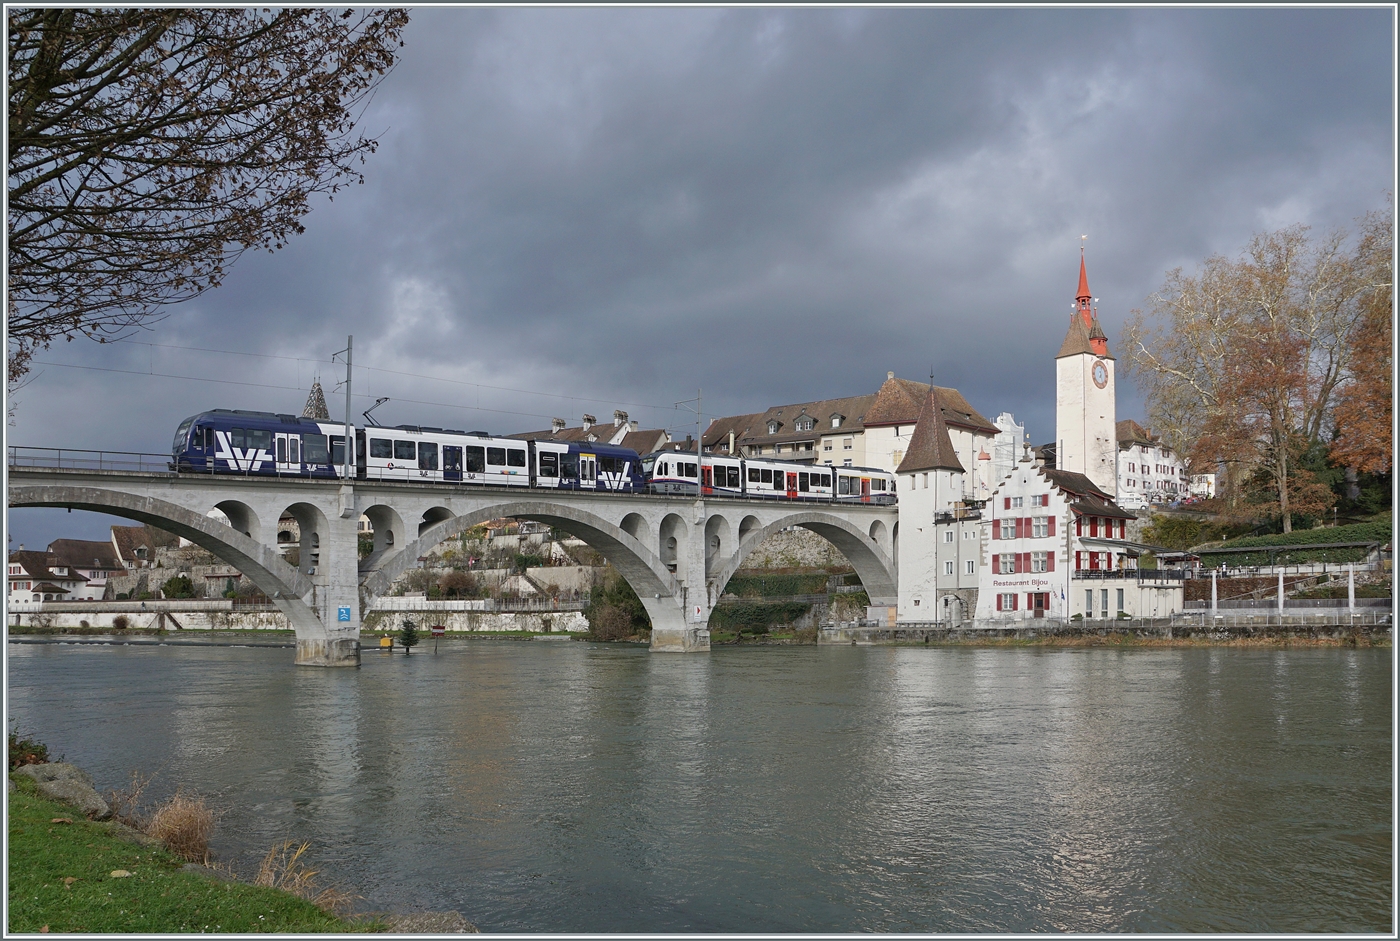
x,y
1052,526
1025,561
996,564
1079,525
998,597
1078,561
1008,502
1014,599
996,528
1050,561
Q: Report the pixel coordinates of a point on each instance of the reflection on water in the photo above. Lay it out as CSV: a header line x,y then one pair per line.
x,y
571,787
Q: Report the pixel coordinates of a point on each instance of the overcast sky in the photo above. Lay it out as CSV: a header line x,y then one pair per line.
x,y
577,210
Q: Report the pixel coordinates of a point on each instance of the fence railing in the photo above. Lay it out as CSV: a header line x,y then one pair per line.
x,y
1141,575
75,459
484,605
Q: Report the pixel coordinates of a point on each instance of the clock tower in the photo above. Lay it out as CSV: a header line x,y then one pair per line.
x,y
1085,407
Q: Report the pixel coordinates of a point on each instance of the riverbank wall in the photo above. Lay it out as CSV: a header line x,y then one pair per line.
x,y
220,616
1368,630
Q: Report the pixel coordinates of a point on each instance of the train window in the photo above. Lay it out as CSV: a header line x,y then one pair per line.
x,y
405,451
476,459
208,437
778,480
281,450
754,475
314,449
337,449
260,438
496,457
238,438
427,455
690,471
568,465
549,465
766,475
843,486
515,458
734,478
608,465
294,449
803,483
826,481
381,447
180,432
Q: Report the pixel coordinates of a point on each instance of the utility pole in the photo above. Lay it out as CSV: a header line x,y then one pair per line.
x,y
349,436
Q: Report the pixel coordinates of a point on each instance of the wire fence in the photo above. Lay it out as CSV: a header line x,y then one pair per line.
x,y
74,459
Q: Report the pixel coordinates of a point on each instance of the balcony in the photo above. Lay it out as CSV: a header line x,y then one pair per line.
x,y
1141,575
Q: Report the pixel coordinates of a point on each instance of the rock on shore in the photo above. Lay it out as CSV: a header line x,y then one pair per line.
x,y
67,784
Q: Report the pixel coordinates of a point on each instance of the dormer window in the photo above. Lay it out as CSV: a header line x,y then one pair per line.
x,y
773,427
805,424
836,421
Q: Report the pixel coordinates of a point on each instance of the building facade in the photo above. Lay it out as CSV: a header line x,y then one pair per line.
x,y
1149,472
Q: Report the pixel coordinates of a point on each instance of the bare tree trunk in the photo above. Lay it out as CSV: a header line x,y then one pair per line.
x,y
1283,486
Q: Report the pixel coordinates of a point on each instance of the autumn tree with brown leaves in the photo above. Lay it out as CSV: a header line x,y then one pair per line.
x,y
1244,362
148,148
1364,410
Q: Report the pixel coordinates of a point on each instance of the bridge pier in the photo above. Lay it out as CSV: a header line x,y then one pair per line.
x,y
671,632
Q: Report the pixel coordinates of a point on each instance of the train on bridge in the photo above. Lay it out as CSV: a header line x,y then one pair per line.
x,y
267,444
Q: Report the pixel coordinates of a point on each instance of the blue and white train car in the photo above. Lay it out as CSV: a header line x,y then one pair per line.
x,y
264,444
586,465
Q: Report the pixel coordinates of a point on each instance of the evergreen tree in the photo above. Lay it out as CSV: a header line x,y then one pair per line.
x,y
408,637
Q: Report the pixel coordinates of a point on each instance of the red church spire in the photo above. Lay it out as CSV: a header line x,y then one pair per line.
x,y
1085,303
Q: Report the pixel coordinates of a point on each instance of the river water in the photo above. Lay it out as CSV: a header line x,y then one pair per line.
x,y
560,786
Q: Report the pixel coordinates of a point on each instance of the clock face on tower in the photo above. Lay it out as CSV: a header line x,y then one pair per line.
x,y
1100,374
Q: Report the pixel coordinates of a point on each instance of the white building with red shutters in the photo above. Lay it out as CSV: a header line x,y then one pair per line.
x,y
1055,542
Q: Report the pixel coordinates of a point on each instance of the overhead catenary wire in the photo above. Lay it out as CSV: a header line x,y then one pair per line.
x,y
395,372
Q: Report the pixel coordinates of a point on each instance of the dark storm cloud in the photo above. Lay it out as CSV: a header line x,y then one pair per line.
x,y
620,205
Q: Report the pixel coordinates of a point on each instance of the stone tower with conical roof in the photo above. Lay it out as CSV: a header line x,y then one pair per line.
x,y
1085,397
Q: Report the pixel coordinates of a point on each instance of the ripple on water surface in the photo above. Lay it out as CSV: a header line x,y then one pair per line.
x,y
573,787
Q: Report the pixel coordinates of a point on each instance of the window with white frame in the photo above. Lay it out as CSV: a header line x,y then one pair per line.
x,y
1038,563
971,567
1008,529
835,421
1088,602
1008,601
826,445
1015,503
847,444
948,568
804,424
1040,526
1006,564
948,535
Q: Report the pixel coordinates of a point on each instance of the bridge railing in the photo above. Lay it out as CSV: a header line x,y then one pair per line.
x,y
20,456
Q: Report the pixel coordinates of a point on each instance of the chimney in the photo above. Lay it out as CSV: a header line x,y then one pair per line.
x,y
619,418
890,374
588,421
557,424
731,441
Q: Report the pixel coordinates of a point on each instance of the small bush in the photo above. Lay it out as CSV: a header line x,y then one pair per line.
x,y
23,750
121,622
184,824
608,622
178,587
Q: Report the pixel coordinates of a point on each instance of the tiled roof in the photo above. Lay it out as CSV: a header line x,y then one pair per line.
x,y
930,448
82,553
1130,432
755,426
37,566
900,401
599,433
644,442
1091,501
1077,339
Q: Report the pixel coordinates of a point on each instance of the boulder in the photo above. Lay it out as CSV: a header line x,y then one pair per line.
x,y
67,784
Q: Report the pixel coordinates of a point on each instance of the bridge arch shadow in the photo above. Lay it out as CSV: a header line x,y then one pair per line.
x,y
282,583
641,567
874,566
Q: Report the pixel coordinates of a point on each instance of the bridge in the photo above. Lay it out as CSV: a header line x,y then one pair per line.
x,y
677,553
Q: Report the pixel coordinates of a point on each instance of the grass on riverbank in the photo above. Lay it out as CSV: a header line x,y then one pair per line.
x,y
78,878
1129,640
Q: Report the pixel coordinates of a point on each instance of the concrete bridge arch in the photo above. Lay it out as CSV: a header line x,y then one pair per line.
x,y
282,583
653,582
874,566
